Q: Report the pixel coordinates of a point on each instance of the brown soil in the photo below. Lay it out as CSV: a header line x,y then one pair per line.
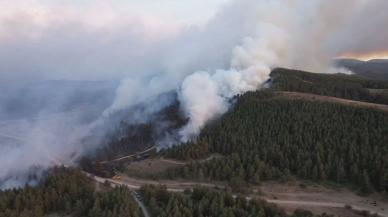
x,y
319,199
151,167
290,196
319,98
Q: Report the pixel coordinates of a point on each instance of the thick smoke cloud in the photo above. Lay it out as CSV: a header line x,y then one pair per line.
x,y
207,65
364,32
294,34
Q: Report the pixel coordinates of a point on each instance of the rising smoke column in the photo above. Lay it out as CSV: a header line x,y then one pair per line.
x,y
206,95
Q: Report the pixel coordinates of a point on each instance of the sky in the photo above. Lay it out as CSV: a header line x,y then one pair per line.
x,y
184,11
55,38
366,56
189,12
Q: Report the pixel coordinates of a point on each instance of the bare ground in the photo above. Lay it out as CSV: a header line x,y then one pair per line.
x,y
319,199
319,98
290,196
151,167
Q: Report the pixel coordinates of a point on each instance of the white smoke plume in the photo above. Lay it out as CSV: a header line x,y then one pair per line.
x,y
207,65
206,95
294,34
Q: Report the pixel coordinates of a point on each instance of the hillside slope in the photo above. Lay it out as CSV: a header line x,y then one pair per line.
x,y
275,135
337,85
375,69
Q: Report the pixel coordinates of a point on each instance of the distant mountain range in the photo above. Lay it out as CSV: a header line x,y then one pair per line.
x,y
376,69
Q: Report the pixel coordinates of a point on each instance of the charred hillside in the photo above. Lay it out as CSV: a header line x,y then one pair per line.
x,y
132,133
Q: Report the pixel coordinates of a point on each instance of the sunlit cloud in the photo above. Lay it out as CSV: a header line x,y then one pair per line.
x,y
366,56
32,20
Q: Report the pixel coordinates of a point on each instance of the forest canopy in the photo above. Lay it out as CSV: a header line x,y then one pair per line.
x,y
268,136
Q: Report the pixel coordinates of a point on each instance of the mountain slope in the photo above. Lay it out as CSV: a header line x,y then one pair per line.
x,y
375,69
336,85
272,135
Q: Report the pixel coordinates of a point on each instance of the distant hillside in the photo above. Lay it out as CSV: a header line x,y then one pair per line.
x,y
375,69
351,87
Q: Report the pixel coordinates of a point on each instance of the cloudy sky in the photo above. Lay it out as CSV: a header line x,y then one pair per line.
x,y
114,39
179,11
107,38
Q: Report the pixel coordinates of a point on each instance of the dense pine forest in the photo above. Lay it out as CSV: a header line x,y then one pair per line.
x,y
204,202
267,136
68,192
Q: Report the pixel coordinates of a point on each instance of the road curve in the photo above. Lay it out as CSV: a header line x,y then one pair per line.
x,y
175,186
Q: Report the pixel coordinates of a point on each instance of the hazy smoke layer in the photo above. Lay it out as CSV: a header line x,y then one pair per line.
x,y
207,65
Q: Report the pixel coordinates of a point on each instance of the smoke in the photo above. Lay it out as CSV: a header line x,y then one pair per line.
x,y
207,65
205,95
363,31
42,125
295,34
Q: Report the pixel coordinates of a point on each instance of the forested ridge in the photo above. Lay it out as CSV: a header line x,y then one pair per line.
x,y
203,202
338,85
67,192
269,137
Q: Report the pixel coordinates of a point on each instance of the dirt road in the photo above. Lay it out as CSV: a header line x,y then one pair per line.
x,y
319,199
322,98
323,199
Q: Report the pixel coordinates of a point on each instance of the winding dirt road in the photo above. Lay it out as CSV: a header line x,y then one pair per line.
x,y
180,186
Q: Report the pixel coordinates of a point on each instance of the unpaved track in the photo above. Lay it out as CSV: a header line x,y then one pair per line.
x,y
322,98
307,203
180,186
135,184
129,156
182,163
323,199
323,204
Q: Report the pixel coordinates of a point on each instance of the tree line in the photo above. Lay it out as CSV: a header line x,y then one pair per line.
x,y
67,192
